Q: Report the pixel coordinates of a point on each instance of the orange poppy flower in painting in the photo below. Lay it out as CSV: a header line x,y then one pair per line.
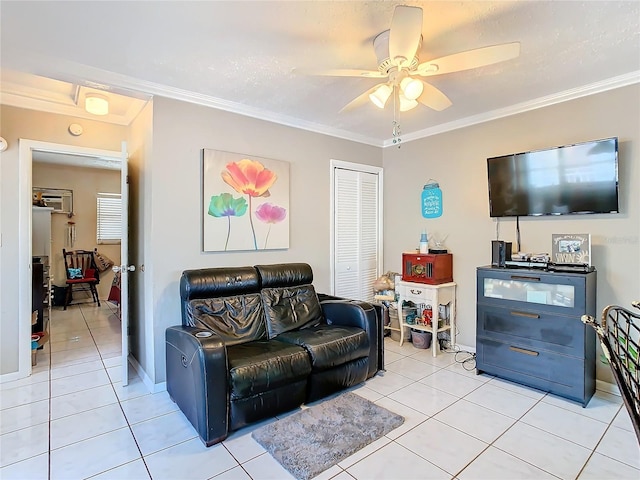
x,y
249,177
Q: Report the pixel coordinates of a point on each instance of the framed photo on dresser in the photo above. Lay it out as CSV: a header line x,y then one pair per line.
x,y
571,248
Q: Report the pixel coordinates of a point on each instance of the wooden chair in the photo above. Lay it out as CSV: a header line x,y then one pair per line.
x,y
82,274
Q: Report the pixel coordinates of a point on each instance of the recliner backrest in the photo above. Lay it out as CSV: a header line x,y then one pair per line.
x,y
289,300
226,301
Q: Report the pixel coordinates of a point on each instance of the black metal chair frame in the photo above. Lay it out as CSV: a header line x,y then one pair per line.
x,y
619,334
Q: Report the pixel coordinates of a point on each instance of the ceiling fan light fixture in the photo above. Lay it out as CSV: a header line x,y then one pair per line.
x,y
96,104
411,88
380,95
406,104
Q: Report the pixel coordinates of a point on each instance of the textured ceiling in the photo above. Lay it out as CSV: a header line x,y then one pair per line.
x,y
240,56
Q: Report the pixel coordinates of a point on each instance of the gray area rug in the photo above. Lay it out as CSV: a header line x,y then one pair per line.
x,y
314,439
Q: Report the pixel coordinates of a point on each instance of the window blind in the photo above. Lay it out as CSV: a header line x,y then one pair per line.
x,y
109,228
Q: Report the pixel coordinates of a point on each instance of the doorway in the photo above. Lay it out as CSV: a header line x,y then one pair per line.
x,y
58,154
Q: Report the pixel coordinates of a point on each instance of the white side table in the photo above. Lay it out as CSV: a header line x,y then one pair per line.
x,y
443,294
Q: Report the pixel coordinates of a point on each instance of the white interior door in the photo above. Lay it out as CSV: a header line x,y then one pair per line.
x,y
357,229
125,268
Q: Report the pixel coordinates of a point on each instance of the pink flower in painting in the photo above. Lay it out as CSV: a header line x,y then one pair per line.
x,y
270,213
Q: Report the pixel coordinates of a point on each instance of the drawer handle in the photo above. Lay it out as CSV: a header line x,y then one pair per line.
x,y
524,277
416,292
525,314
522,350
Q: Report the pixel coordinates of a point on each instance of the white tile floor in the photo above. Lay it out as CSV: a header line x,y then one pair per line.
x,y
73,419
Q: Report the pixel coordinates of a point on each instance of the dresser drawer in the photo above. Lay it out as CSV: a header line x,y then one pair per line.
x,y
533,329
563,294
548,371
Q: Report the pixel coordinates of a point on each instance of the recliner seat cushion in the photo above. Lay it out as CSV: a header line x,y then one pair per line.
x,y
236,319
329,345
257,367
326,382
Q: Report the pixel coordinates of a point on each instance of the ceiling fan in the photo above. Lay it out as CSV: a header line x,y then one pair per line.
x,y
397,53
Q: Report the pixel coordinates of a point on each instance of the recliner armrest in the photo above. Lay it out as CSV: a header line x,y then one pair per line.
x,y
355,313
349,313
197,374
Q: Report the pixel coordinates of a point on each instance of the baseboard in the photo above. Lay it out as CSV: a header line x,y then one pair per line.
x,y
10,377
152,387
607,387
464,348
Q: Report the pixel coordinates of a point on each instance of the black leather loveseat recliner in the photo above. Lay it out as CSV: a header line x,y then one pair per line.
x,y
256,341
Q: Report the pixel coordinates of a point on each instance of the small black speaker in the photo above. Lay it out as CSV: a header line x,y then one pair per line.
x,y
500,252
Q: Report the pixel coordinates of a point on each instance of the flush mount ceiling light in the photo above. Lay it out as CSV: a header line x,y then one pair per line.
x,y
96,104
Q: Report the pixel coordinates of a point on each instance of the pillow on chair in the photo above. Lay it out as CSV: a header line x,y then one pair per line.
x,y
75,273
90,274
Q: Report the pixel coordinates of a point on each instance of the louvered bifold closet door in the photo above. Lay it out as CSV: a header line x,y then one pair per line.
x,y
356,234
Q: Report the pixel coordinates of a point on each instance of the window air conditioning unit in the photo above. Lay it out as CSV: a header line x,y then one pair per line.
x,y
59,199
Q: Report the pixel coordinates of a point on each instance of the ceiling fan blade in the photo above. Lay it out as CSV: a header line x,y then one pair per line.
x,y
433,98
341,73
359,100
478,57
405,34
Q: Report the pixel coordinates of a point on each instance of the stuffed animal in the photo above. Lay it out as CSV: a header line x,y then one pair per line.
x,y
384,282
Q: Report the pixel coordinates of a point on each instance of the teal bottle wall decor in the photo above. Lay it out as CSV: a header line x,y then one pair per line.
x,y
431,201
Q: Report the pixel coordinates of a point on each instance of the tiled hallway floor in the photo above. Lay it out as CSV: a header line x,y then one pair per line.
x,y
73,419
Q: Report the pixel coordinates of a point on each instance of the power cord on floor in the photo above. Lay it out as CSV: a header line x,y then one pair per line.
x,y
468,362
465,358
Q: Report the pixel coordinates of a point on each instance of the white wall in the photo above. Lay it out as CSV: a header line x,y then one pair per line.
x,y
457,160
180,131
28,124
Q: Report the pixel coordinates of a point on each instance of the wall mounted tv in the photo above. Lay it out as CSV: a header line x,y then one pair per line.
x,y
579,178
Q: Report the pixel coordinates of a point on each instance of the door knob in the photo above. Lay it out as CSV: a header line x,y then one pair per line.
x,y
119,268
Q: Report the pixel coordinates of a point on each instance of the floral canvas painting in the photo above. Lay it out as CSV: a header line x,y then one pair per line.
x,y
245,204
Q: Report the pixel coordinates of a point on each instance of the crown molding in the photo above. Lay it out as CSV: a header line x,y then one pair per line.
x,y
584,91
125,85
103,79
152,88
247,111
15,100
240,109
137,88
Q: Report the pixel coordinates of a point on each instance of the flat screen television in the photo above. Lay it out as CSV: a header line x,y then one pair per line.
x,y
578,178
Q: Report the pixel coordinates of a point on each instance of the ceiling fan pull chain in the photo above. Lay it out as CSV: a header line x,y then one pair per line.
x,y
396,119
396,133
